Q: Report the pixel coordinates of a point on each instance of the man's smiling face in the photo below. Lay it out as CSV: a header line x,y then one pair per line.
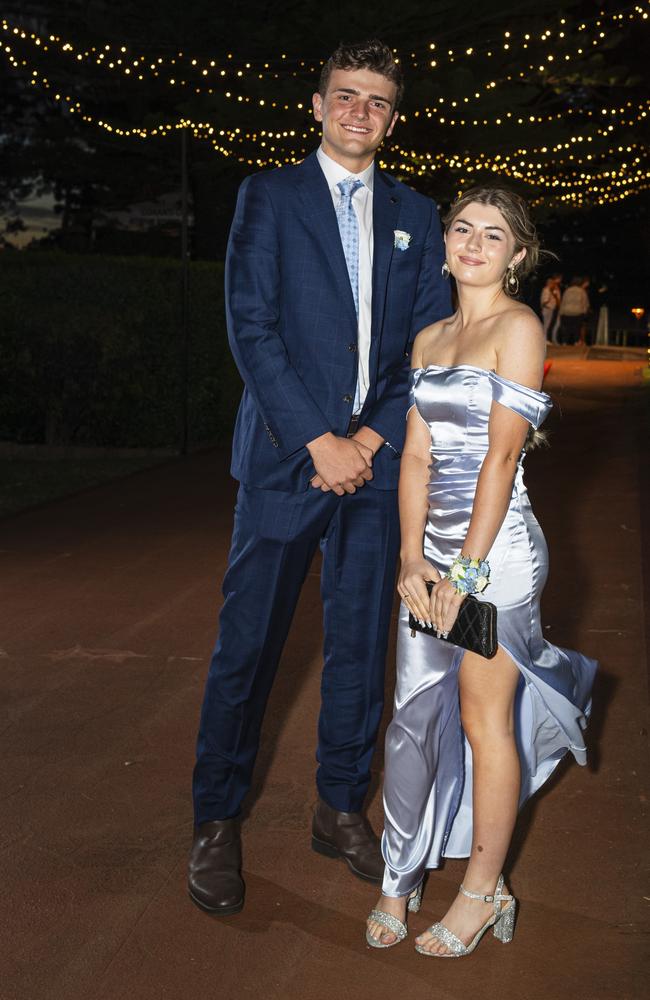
x,y
357,114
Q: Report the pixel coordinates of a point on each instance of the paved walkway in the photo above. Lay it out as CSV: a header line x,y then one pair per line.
x,y
108,613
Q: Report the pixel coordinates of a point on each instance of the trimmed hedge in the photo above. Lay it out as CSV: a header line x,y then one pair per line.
x,y
91,351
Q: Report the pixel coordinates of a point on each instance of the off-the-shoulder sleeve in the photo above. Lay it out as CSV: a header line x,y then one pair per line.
x,y
414,376
533,406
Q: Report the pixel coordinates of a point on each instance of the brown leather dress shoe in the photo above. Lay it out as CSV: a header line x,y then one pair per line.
x,y
214,880
350,837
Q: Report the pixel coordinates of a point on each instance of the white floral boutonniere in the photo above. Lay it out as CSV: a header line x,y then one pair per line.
x,y
402,240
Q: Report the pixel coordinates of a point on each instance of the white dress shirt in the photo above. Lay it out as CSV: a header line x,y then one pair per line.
x,y
362,202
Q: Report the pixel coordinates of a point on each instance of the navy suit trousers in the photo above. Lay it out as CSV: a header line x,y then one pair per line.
x,y
274,539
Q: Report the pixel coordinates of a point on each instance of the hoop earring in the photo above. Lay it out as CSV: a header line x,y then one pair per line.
x,y
444,270
512,281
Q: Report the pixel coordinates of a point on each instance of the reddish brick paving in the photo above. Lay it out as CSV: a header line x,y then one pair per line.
x,y
108,613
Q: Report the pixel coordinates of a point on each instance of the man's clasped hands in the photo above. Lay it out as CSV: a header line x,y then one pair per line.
x,y
343,464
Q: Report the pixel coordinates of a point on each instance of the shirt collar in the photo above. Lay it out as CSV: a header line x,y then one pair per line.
x,y
334,172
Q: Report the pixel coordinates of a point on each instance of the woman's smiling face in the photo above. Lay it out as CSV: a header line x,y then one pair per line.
x,y
480,245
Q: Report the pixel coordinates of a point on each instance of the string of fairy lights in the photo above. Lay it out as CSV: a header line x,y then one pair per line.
x,y
116,58
415,163
119,58
37,77
584,174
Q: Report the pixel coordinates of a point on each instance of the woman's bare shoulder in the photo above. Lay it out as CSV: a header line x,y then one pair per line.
x,y
521,346
520,322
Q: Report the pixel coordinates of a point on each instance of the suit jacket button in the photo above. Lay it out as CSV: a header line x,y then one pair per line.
x,y
347,398
352,348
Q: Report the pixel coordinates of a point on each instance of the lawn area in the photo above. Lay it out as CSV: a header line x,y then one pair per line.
x,y
27,482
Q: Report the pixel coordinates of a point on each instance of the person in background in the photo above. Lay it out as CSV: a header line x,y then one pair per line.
x,y
550,303
574,307
584,336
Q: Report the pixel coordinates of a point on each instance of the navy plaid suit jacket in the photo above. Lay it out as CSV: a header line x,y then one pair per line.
x,y
292,324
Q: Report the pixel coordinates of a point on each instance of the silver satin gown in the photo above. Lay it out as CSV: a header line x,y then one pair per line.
x,y
428,777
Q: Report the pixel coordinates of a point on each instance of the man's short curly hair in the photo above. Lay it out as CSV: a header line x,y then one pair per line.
x,y
372,55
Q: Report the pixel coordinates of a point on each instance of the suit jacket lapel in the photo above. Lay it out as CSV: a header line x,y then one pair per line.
x,y
385,213
320,215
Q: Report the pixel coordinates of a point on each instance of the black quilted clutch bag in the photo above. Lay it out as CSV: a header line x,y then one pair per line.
x,y
475,629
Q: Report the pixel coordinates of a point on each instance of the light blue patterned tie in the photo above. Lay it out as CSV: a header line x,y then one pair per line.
x,y
349,230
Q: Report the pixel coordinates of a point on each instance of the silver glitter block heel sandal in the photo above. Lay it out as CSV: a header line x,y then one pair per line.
x,y
393,924
502,922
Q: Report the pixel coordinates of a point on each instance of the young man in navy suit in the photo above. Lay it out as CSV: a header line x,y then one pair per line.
x,y
332,268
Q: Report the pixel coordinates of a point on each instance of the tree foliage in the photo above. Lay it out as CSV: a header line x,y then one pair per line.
x,y
91,170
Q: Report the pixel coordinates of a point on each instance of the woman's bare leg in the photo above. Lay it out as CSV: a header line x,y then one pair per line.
x,y
487,693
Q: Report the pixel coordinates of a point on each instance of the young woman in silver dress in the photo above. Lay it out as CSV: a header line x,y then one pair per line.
x,y
471,739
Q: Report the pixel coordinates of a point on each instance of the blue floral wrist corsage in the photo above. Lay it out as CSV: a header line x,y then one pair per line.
x,y
469,576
